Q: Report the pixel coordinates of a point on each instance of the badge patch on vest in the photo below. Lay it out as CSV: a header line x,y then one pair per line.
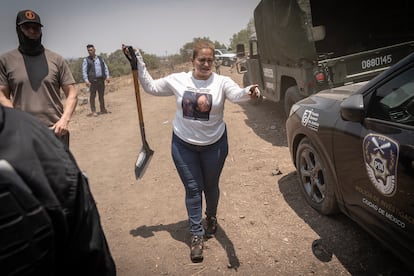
x,y
381,160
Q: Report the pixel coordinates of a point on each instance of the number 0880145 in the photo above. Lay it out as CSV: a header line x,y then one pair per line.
x,y
375,62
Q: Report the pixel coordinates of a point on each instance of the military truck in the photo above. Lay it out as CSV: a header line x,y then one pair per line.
x,y
301,47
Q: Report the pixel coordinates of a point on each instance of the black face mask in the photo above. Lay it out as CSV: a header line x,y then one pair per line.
x,y
27,46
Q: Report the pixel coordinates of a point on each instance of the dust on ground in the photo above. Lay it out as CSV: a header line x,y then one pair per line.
x,y
265,226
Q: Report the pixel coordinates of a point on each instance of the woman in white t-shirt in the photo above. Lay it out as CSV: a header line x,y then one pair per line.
x,y
199,140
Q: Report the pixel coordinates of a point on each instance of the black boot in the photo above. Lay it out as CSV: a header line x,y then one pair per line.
x,y
211,226
197,245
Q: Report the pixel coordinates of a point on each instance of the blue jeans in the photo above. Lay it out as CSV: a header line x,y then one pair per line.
x,y
199,168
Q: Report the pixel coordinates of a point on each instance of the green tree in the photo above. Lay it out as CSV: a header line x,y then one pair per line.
x,y
117,64
219,45
151,60
243,36
75,66
187,50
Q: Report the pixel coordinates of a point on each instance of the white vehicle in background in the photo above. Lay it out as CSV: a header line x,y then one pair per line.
x,y
226,57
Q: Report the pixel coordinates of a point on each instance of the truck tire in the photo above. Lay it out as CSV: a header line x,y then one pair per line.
x,y
291,96
317,182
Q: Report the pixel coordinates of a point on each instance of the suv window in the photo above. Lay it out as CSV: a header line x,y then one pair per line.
x,y
394,101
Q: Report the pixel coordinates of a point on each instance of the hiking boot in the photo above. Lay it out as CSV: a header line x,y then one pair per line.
x,y
197,246
211,226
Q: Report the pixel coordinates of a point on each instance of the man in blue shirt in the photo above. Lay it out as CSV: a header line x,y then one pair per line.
x,y
95,72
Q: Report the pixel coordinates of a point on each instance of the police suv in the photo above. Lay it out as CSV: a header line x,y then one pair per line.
x,y
353,148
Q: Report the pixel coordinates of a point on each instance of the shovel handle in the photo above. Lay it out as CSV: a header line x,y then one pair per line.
x,y
130,55
146,152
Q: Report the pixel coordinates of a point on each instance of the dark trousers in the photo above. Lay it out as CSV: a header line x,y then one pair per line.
x,y
65,139
199,168
97,85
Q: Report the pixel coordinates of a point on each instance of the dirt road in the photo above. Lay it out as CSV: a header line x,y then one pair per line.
x,y
265,226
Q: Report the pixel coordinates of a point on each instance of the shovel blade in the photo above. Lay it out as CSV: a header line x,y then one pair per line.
x,y
143,160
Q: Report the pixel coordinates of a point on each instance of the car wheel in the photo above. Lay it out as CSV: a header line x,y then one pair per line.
x,y
291,96
316,178
226,62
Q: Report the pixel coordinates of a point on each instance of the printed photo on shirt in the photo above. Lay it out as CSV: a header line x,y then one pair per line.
x,y
196,106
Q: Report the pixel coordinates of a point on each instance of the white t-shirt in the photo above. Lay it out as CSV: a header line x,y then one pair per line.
x,y
200,103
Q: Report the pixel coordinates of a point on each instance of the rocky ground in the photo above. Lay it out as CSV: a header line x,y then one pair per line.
x,y
265,226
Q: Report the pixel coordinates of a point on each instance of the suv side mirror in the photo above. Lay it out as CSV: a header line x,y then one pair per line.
x,y
352,108
241,66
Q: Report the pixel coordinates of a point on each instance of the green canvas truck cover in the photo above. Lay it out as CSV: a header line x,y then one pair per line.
x,y
287,30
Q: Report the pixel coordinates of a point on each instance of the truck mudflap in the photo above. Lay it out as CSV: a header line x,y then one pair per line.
x,y
365,65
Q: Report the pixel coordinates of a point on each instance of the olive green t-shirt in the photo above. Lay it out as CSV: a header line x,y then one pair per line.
x,y
35,83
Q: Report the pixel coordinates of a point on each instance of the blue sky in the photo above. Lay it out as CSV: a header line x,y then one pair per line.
x,y
158,27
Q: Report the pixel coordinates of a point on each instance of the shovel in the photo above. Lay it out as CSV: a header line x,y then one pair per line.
x,y
146,152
